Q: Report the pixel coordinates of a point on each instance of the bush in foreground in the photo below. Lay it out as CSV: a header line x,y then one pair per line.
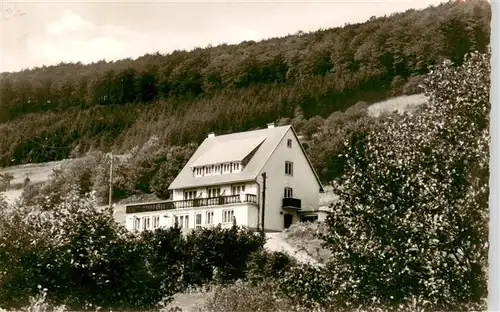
x,y
412,219
219,254
266,297
245,297
78,253
85,260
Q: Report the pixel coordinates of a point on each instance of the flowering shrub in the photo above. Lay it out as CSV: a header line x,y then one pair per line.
x,y
25,233
412,219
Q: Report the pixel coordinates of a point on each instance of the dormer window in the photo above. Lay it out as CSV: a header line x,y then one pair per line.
x,y
199,171
218,169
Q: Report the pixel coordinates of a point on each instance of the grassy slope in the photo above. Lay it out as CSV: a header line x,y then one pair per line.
x,y
400,104
36,172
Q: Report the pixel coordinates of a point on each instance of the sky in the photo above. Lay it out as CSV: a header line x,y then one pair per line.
x,y
36,33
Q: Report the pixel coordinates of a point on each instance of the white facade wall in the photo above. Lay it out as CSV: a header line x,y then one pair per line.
x,y
245,214
303,182
129,219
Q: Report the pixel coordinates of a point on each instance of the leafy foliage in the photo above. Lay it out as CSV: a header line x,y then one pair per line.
x,y
327,146
412,216
247,297
53,112
81,258
267,297
211,259
263,265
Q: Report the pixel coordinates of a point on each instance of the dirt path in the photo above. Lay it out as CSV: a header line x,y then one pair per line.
x,y
275,242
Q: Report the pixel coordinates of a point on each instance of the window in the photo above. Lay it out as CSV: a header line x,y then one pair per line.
x,y
289,143
288,192
227,216
198,221
218,168
145,223
199,171
137,223
183,221
208,170
236,166
288,168
214,192
156,222
226,167
189,194
210,217
237,189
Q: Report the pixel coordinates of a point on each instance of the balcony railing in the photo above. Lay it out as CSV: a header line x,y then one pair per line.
x,y
158,206
292,203
190,203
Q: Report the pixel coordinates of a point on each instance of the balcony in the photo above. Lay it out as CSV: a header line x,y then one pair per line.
x,y
156,206
290,203
191,203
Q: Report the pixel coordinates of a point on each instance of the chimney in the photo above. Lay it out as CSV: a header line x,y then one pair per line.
x,y
211,135
270,125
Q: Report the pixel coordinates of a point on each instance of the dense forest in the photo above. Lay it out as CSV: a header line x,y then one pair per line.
x,y
51,113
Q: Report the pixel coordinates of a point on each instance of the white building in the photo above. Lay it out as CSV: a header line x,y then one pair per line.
x,y
224,179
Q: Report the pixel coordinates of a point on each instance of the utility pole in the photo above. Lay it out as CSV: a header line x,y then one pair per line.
x,y
264,177
111,180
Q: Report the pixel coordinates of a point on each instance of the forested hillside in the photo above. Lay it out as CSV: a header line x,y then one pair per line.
x,y
51,112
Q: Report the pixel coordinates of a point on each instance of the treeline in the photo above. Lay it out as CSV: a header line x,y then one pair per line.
x,y
51,111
